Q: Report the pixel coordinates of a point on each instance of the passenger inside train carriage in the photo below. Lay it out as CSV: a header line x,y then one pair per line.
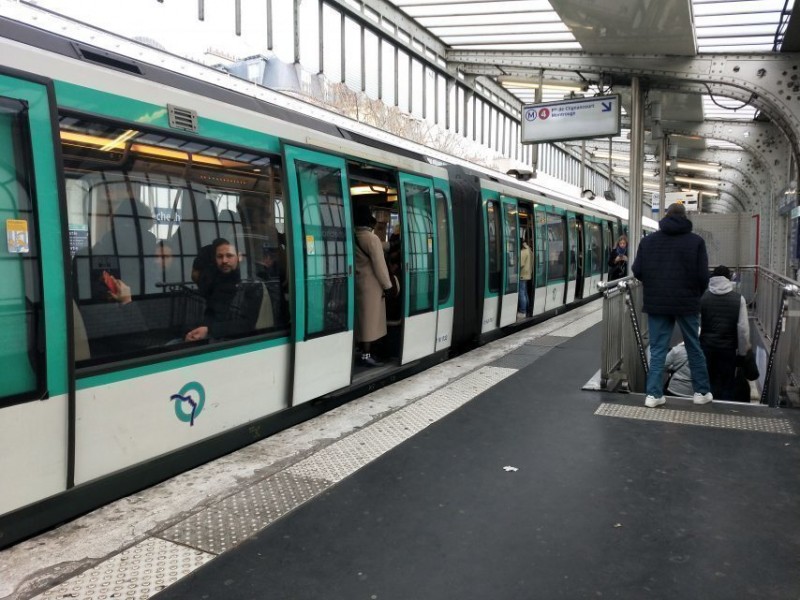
x,y
143,211
374,192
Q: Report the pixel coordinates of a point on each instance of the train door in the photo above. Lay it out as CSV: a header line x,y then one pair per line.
x,y
610,242
511,245
322,249
493,277
421,261
540,261
526,228
594,254
446,295
575,266
34,398
556,258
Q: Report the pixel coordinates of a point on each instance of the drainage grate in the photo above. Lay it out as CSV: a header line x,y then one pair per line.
x,y
704,419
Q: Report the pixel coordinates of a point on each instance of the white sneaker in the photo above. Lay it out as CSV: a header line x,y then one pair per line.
x,y
702,398
652,401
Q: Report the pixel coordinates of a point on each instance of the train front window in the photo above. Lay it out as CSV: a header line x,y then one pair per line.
x,y
148,216
21,352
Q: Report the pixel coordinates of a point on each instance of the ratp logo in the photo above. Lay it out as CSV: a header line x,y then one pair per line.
x,y
189,402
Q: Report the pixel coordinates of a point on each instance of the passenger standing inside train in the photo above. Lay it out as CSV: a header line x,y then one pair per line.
x,y
525,273
618,261
372,283
672,265
724,331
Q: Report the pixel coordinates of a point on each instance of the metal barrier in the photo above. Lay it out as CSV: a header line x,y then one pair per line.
x,y
774,301
777,311
624,336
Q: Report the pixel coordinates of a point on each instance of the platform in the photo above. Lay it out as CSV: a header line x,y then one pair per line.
x,y
493,476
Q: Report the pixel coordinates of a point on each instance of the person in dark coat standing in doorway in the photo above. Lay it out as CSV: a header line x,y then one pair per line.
x,y
672,265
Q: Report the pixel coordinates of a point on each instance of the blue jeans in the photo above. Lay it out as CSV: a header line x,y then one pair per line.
x,y
523,296
661,327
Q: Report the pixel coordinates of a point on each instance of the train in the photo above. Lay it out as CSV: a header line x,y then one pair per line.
x,y
118,176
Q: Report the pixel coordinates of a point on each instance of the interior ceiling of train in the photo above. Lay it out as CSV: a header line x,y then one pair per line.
x,y
527,44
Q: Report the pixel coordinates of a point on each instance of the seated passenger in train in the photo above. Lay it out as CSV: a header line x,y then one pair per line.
x,y
232,306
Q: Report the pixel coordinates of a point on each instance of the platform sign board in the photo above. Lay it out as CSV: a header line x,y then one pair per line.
x,y
574,119
688,199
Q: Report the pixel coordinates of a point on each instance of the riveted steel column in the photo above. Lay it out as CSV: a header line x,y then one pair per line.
x,y
662,179
637,164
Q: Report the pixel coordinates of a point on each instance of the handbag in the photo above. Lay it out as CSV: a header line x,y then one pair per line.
x,y
747,364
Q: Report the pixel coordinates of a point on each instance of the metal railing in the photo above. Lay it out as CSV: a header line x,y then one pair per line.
x,y
774,303
776,306
625,337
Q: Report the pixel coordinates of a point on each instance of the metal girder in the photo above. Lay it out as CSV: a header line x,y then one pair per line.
x,y
761,140
773,79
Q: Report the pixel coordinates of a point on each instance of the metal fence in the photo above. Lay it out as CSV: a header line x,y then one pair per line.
x,y
623,362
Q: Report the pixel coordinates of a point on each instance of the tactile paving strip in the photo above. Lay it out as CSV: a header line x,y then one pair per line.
x,y
138,573
346,456
701,418
237,517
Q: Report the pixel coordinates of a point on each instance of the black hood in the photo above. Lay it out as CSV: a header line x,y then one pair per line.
x,y
673,225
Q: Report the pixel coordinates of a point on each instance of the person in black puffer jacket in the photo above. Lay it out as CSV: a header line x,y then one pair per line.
x,y
672,265
724,331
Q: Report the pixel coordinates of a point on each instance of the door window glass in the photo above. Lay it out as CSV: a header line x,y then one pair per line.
x,y
594,247
324,236
512,247
443,234
574,237
21,337
173,241
495,250
420,248
556,227
540,256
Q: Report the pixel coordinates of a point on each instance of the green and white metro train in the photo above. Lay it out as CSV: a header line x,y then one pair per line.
x,y
110,168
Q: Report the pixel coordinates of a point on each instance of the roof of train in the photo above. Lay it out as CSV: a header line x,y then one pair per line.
x,y
184,74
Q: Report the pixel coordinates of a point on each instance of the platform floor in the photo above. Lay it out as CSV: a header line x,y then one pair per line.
x,y
508,481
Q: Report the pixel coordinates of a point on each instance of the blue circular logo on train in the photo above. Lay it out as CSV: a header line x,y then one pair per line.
x,y
189,402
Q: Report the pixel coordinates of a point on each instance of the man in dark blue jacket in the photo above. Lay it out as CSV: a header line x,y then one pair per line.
x,y
672,265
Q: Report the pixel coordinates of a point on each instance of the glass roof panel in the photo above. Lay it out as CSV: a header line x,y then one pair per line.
x,y
738,25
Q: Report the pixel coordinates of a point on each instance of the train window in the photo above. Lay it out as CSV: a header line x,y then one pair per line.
x,y
443,235
540,256
574,238
325,234
594,247
512,247
495,250
174,242
20,295
556,233
420,248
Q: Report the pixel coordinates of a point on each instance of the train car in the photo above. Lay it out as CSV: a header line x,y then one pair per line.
x,y
136,201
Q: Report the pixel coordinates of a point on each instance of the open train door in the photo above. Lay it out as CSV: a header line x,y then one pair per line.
x,y
511,246
420,266
322,256
35,398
